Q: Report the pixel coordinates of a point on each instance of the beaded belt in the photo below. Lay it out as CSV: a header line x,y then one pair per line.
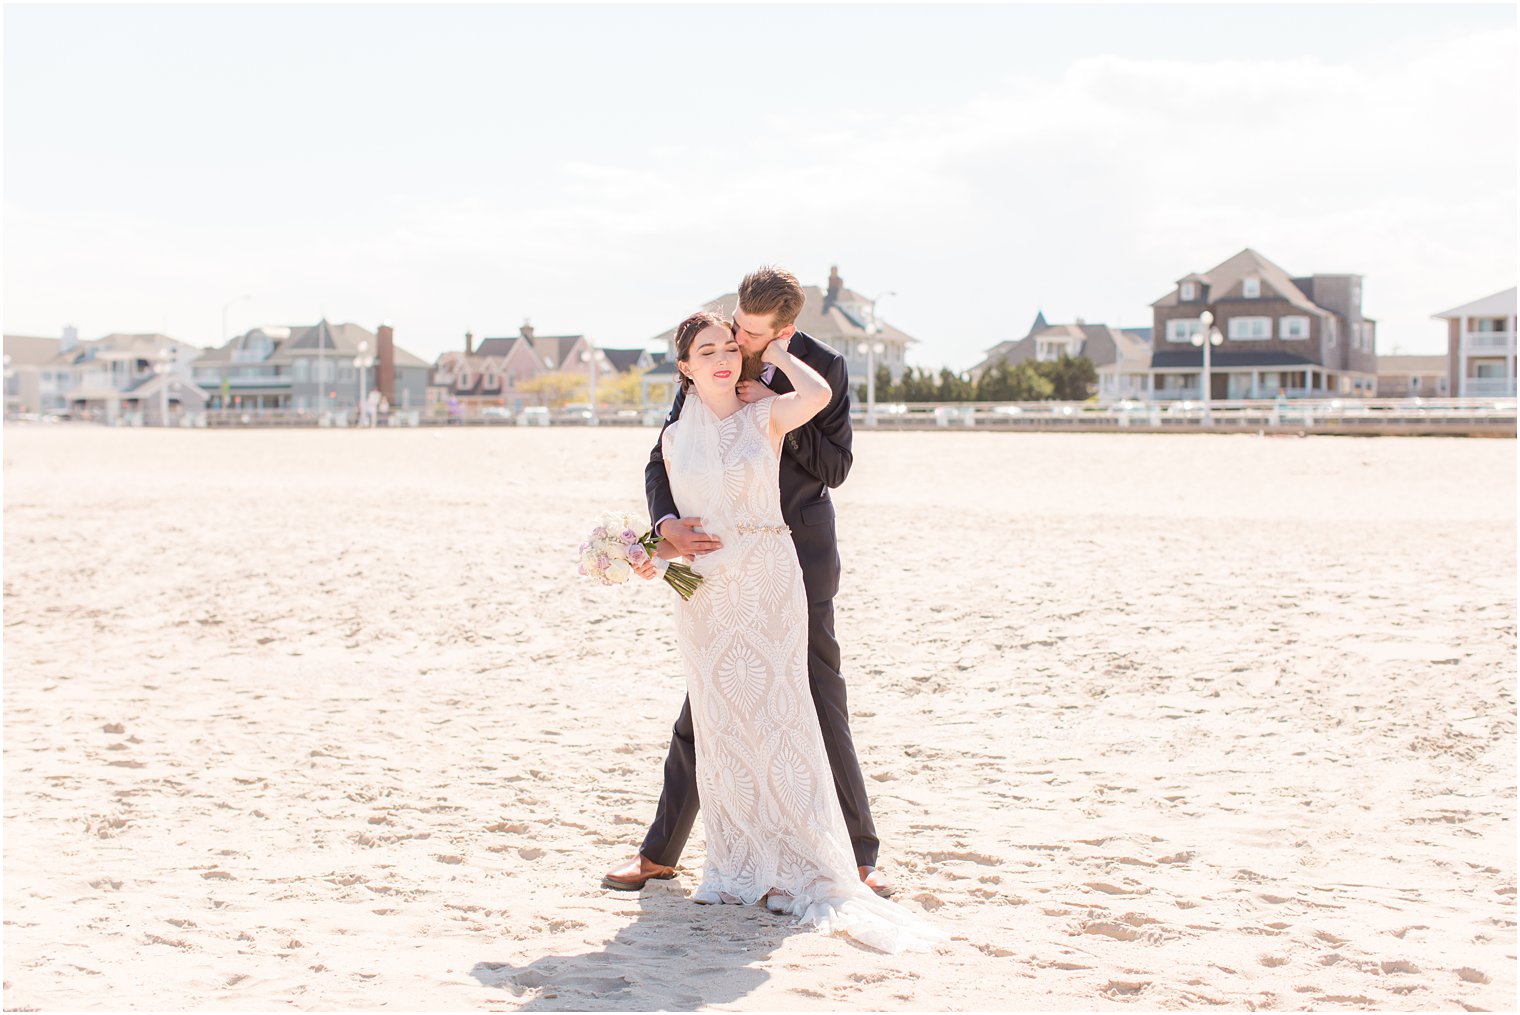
x,y
771,530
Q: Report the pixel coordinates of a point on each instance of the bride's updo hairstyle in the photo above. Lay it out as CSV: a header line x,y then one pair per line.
x,y
687,332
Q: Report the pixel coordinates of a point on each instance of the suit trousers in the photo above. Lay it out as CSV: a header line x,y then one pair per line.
x,y
678,806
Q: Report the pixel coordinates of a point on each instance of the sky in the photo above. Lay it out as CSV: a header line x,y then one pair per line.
x,y
604,170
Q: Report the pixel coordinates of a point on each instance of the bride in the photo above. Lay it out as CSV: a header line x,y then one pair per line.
x,y
774,828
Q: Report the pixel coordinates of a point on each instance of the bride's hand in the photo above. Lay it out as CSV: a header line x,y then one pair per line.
x,y
780,345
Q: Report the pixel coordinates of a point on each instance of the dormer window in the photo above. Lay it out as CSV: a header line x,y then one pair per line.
x,y
1251,289
1189,292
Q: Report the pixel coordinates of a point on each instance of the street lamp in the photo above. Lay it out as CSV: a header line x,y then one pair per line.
x,y
590,355
162,365
1206,336
869,349
363,362
227,372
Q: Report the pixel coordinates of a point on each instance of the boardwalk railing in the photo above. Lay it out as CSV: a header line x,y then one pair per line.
x,y
1485,416
1433,416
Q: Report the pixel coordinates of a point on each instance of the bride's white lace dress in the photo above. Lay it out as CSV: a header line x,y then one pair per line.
x,y
769,807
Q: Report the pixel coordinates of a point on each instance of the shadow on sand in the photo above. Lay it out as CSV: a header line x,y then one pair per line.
x,y
674,955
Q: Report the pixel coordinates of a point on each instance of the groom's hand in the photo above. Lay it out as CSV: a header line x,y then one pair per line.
x,y
753,391
683,534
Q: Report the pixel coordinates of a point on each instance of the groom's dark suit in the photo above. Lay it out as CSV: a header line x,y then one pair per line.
x,y
814,457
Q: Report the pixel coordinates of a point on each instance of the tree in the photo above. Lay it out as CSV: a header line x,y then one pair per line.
x,y
620,391
1070,377
952,387
556,388
886,391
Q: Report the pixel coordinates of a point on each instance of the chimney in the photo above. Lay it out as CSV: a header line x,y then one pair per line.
x,y
527,331
835,285
469,343
385,363
70,338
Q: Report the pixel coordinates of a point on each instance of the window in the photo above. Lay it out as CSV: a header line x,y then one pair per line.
x,y
302,371
1332,326
1189,292
1488,370
1293,327
1414,384
1248,328
1181,329
1251,288
1489,325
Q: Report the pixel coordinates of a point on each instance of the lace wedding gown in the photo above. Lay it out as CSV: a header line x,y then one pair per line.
x,y
769,807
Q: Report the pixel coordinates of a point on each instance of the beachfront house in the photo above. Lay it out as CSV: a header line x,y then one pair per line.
x,y
1303,337
840,318
33,383
114,379
1412,377
1480,346
1121,356
497,374
310,368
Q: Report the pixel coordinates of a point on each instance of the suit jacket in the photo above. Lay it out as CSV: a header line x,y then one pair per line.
x,y
814,458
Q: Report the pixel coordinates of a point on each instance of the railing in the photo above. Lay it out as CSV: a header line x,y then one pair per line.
x,y
1491,416
1478,387
1489,340
1350,415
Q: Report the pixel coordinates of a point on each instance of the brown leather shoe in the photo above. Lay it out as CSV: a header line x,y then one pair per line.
x,y
633,875
877,882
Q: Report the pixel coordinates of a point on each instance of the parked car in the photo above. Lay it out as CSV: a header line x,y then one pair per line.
x,y
533,415
496,412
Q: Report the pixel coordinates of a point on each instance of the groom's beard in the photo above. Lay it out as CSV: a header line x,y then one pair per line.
x,y
752,367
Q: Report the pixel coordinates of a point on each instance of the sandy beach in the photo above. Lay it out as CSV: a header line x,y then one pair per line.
x,y
326,719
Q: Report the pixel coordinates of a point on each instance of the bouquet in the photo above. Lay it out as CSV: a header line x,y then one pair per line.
x,y
614,547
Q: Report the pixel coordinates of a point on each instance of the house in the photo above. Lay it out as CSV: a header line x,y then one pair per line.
x,y
32,381
494,375
657,385
1120,355
117,378
310,368
1412,377
841,319
1480,346
1302,337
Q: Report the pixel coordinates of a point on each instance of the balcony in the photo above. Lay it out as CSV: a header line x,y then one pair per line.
x,y
1484,387
1488,341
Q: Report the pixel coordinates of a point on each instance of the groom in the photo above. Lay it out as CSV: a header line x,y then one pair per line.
x,y
814,457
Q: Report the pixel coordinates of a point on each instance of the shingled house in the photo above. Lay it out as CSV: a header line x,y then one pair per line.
x,y
1305,337
116,378
1120,355
491,375
310,368
841,319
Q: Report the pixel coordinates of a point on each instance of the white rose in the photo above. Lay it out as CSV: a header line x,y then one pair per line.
x,y
617,551
618,572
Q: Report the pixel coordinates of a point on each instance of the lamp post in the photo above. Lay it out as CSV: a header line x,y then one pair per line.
x,y
227,372
1205,337
363,362
162,366
590,355
869,349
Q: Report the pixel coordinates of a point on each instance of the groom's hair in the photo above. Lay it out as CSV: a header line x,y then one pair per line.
x,y
772,290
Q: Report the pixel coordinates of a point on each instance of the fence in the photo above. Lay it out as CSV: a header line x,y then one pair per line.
x,y
1419,416
1471,416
